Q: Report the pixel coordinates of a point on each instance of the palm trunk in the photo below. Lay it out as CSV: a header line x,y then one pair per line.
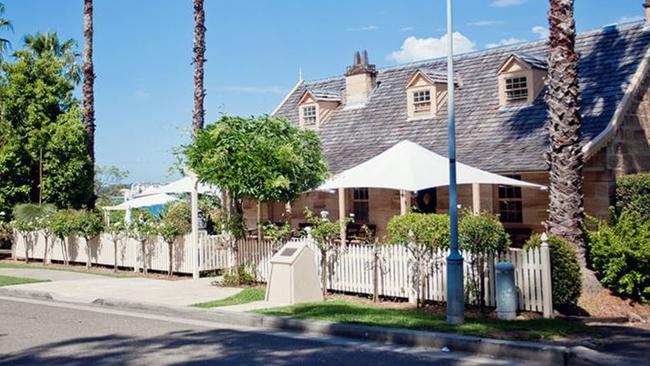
x,y
198,114
88,91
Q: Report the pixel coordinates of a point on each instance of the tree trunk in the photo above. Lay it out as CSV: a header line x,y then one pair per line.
x,y
171,259
144,256
259,223
88,91
45,250
88,264
323,274
565,158
375,276
199,59
25,241
114,255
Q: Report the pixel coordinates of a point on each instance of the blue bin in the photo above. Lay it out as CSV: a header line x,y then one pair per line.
x,y
506,291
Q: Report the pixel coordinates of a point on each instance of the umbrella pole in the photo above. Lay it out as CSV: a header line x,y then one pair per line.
x,y
476,198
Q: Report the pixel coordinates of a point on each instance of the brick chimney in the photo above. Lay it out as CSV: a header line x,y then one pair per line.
x,y
360,79
646,5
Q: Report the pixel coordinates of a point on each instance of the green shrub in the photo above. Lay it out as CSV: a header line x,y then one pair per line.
x,y
620,252
239,276
480,235
633,194
566,280
430,230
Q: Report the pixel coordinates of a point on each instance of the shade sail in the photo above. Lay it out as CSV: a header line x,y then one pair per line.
x,y
183,185
144,201
410,167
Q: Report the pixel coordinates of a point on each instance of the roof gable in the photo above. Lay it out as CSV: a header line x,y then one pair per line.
x,y
524,60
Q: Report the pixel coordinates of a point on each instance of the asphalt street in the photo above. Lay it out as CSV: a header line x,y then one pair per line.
x,y
35,332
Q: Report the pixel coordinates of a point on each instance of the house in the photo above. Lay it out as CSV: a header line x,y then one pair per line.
x,y
501,119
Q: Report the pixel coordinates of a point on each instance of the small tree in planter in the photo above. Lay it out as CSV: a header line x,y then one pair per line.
x,y
89,225
277,233
175,221
324,232
63,227
28,218
141,230
116,231
420,234
480,235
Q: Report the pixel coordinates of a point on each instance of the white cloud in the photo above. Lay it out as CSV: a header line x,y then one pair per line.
x,y
485,23
364,29
505,42
406,29
253,89
141,95
627,19
415,49
505,3
542,32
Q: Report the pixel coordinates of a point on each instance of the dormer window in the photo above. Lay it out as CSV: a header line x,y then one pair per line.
x,y
516,89
521,79
309,116
426,92
422,101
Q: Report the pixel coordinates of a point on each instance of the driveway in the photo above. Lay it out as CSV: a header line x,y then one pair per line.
x,y
85,288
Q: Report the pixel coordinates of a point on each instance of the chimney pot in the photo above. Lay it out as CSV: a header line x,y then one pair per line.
x,y
646,6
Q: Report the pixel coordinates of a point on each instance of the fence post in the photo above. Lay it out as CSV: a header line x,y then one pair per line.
x,y
547,299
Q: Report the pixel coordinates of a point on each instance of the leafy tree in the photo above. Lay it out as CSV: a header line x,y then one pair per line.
x,y
63,227
420,234
142,230
265,159
108,183
480,235
116,231
89,225
633,194
48,45
175,221
325,232
27,219
41,123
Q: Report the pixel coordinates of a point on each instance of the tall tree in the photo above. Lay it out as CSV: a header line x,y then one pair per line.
x,y
88,90
565,158
43,45
4,25
198,114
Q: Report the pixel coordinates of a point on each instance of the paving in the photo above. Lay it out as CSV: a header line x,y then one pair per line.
x,y
86,288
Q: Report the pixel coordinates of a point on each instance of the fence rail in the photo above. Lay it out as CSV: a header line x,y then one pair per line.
x,y
351,269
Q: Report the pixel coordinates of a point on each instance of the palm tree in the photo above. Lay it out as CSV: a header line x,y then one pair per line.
x,y
566,211
4,25
43,45
88,90
198,114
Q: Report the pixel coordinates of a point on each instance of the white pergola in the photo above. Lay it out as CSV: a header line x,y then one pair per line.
x,y
409,167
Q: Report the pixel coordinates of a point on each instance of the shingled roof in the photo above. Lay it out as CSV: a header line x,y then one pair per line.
x,y
488,136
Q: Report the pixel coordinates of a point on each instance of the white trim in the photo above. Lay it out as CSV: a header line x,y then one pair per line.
x,y
601,139
293,90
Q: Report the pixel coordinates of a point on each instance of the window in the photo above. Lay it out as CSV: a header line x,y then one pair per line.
x,y
360,205
309,115
516,89
422,101
510,204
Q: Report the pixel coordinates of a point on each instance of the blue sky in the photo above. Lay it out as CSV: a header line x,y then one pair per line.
x,y
143,50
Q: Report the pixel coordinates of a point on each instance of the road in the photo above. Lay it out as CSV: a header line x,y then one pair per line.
x,y
34,332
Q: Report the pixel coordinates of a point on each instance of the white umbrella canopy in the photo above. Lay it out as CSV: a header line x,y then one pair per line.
x,y
410,167
143,201
183,185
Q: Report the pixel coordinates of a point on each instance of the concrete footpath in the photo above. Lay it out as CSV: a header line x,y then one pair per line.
x,y
173,297
86,288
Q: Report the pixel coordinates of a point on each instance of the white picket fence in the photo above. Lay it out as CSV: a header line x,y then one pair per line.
x,y
351,269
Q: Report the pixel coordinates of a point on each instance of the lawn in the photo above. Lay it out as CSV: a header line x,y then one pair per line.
x,y
8,281
245,296
344,312
77,269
